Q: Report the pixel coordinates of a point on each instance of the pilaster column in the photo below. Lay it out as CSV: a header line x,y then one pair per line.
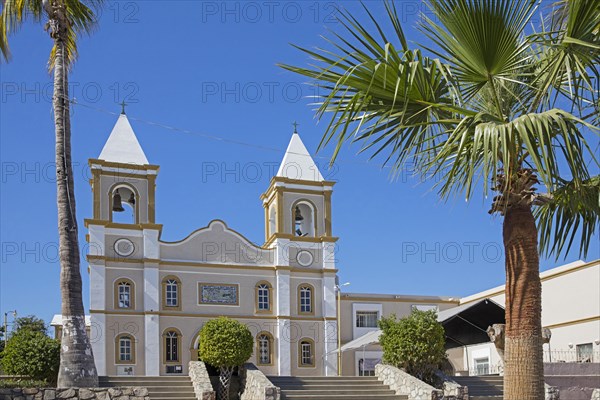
x,y
151,319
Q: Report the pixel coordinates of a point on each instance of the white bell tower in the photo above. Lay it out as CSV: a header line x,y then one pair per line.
x,y
123,228
298,225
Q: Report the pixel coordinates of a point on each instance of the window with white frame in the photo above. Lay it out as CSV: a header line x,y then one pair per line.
x,y
171,293
584,352
264,349
366,366
367,319
125,349
124,295
482,366
306,353
263,297
306,293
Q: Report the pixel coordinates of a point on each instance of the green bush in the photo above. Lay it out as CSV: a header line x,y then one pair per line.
x,y
225,343
32,354
414,343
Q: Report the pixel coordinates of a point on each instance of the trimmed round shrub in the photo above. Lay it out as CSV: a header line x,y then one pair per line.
x,y
225,343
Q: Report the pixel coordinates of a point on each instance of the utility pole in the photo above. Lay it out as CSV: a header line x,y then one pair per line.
x,y
14,313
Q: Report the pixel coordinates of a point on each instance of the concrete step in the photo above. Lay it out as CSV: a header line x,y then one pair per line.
x,y
336,379
331,391
171,393
179,389
312,386
485,397
343,397
334,388
172,398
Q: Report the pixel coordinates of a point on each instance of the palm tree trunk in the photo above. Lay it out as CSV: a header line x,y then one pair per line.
x,y
524,368
77,368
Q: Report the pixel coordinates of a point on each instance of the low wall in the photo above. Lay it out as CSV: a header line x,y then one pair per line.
x,y
200,380
572,369
452,390
403,383
256,386
120,393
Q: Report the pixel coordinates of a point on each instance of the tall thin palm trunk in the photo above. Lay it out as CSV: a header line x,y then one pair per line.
x,y
77,368
523,373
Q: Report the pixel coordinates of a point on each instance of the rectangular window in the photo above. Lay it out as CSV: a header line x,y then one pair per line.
x,y
124,296
125,349
367,319
171,293
482,366
172,349
306,349
263,298
264,350
584,352
306,300
366,367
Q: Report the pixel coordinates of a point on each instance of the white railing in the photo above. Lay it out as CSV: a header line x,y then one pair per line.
x,y
571,356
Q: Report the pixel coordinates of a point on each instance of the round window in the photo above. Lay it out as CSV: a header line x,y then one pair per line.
x,y
124,247
304,258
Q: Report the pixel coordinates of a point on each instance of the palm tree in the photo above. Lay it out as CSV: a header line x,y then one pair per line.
x,y
490,108
65,20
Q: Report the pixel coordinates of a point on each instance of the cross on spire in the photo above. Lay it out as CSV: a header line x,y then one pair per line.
x,y
123,104
295,124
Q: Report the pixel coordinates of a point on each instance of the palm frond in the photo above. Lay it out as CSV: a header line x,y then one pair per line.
x,y
551,143
380,95
572,210
570,53
80,15
482,41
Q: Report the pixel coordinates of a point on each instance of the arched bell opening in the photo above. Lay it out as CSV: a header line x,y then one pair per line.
x,y
123,204
272,219
304,219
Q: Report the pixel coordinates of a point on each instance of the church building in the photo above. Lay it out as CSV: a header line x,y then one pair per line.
x,y
149,298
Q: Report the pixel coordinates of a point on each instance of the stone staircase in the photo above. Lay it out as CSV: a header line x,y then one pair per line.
x,y
483,387
159,387
334,388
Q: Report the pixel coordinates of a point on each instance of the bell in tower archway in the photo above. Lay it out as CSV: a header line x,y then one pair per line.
x,y
117,202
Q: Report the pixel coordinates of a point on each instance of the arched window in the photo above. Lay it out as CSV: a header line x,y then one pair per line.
x,y
303,215
263,297
171,293
306,299
124,294
125,349
264,353
123,204
306,353
272,219
172,343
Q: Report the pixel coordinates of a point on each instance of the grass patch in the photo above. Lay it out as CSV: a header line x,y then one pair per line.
x,y
13,383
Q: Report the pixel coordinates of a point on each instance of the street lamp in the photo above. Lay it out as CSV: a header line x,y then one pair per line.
x,y
338,289
14,313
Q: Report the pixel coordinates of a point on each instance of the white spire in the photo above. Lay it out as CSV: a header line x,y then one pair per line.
x,y
122,145
297,162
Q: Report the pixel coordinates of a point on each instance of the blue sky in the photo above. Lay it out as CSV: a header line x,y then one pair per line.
x,y
209,70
